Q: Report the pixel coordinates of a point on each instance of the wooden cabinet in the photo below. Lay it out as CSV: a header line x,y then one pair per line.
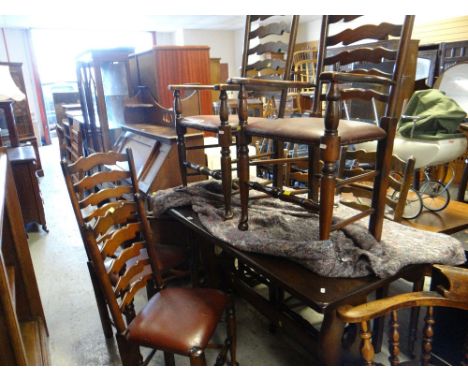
x,y
155,154
166,65
22,114
103,78
23,164
23,329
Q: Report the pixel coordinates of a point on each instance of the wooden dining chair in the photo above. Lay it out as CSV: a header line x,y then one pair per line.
x,y
326,134
96,184
175,320
268,47
401,200
452,293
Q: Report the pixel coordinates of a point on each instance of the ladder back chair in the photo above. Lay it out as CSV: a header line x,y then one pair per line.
x,y
271,59
126,259
97,184
452,293
401,199
325,135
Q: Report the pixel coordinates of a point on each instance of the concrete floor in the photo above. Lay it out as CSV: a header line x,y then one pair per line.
x,y
76,336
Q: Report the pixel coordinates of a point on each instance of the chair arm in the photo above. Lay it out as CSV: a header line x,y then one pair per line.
x,y
191,87
377,308
262,83
354,77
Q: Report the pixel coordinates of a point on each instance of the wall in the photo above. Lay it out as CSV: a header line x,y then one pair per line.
x,y
309,31
446,30
17,43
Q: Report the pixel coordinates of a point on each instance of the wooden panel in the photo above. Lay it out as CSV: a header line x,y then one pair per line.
x,y
447,30
23,330
180,65
215,76
166,65
35,343
451,219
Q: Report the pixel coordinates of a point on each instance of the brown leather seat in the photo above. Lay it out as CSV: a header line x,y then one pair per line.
x,y
309,130
211,122
178,319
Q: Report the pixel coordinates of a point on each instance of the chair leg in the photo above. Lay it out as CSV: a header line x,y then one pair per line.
x,y
181,150
232,332
180,130
379,323
327,199
197,357
129,352
384,155
169,359
244,176
225,141
101,304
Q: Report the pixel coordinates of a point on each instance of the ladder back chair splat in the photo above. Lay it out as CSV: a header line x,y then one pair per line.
x,y
100,183
324,135
260,60
453,294
126,259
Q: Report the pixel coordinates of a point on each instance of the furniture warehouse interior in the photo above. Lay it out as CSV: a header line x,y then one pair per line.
x,y
234,190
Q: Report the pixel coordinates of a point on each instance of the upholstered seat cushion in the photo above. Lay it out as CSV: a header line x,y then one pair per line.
x,y
211,122
178,319
309,130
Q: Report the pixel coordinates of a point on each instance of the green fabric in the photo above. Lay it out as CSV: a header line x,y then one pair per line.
x,y
440,116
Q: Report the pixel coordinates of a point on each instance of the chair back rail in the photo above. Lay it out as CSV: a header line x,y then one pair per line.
x,y
254,65
341,52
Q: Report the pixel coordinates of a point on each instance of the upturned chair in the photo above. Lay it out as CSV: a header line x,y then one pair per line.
x,y
324,135
403,201
452,293
96,184
174,320
271,59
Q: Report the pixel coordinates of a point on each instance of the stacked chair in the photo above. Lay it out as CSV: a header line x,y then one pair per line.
x,y
326,134
270,59
123,258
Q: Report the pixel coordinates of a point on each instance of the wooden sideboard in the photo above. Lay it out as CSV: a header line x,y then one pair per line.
x,y
23,329
166,65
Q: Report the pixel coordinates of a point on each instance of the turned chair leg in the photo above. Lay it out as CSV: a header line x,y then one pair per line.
x,y
232,332
243,170
225,141
181,131
169,359
197,357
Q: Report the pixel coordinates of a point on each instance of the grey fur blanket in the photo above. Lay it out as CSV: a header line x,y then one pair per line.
x,y
282,229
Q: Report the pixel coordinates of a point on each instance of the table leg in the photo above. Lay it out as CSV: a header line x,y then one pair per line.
x,y
331,333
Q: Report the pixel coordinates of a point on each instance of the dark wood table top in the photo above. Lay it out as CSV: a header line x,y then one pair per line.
x,y
319,292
